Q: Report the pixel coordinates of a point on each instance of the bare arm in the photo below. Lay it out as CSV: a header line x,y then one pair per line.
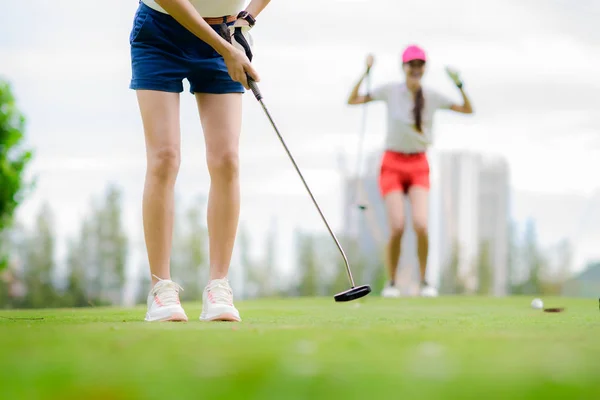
x,y
256,6
354,97
466,107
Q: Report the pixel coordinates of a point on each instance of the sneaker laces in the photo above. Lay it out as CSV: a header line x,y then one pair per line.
x,y
220,292
167,291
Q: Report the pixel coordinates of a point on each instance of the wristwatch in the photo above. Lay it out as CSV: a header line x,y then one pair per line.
x,y
248,17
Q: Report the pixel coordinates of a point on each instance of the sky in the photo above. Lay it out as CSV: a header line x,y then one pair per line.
x,y
530,68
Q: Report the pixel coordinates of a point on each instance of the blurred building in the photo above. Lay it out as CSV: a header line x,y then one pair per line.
x,y
458,217
468,206
494,218
474,210
586,237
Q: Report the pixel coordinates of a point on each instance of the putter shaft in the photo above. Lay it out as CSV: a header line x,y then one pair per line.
x,y
258,96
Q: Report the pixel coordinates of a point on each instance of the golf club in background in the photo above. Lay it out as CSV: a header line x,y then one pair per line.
x,y
360,197
355,292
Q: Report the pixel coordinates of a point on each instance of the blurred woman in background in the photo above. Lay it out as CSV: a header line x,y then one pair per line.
x,y
404,169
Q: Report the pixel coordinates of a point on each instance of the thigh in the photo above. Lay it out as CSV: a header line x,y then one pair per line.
x,y
394,206
419,204
160,117
221,118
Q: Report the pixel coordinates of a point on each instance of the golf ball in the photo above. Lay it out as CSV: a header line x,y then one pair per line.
x,y
537,304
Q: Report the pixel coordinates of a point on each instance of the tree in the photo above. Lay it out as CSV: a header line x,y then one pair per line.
x,y
512,256
112,245
12,288
101,252
484,269
87,248
377,267
260,276
250,268
534,261
308,266
144,284
39,262
358,265
269,269
14,158
532,258
180,269
76,278
189,260
565,254
451,282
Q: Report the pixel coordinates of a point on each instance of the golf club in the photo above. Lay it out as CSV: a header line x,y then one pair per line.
x,y
361,201
354,292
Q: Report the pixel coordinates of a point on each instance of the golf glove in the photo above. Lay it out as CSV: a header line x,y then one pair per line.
x,y
241,39
455,76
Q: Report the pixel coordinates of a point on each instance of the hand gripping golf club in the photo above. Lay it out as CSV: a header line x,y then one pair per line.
x,y
355,292
361,200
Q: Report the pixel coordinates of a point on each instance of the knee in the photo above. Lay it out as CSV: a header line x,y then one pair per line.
x,y
396,231
224,166
420,228
163,164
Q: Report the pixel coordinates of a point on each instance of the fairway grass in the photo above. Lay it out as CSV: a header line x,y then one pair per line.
x,y
374,348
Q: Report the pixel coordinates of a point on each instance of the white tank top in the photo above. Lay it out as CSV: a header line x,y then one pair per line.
x,y
208,8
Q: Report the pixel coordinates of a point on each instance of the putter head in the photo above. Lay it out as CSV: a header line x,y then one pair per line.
x,y
353,293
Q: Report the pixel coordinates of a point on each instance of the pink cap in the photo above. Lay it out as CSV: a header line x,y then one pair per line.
x,y
413,53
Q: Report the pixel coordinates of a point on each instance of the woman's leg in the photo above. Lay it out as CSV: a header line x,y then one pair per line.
x,y
394,204
221,117
419,200
418,195
160,118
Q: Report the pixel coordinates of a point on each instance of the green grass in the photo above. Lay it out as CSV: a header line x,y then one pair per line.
x,y
444,348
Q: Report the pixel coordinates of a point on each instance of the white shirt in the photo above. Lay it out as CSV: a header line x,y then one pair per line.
x,y
402,135
208,8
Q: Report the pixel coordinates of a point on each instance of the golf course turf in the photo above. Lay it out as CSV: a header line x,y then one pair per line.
x,y
309,348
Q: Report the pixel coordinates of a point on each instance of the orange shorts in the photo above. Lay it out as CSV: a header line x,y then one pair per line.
x,y
400,171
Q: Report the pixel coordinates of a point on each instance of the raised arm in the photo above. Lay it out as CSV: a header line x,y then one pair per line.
x,y
465,108
354,97
237,63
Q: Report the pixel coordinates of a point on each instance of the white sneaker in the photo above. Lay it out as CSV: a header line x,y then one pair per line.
x,y
163,302
217,302
390,291
428,291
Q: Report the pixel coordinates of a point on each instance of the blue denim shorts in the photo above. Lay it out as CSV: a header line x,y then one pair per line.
x,y
163,53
